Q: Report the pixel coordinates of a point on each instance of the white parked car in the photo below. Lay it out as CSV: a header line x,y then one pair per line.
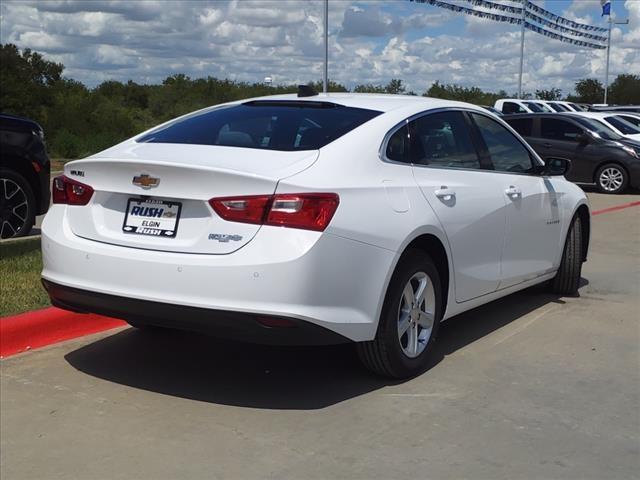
x,y
316,219
514,105
616,122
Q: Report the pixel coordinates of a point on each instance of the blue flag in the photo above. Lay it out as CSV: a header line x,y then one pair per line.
x,y
606,7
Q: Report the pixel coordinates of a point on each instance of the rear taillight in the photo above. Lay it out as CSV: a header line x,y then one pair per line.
x,y
309,211
70,192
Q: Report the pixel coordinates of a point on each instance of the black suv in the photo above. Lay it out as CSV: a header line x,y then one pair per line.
x,y
598,154
24,175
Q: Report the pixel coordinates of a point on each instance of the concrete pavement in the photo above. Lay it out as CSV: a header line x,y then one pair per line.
x,y
530,386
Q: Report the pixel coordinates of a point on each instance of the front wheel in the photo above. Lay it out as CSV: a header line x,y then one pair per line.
x,y
409,320
612,178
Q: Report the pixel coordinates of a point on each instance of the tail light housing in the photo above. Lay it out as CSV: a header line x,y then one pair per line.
x,y
308,211
70,192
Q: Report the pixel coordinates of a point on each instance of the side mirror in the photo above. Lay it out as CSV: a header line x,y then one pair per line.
x,y
583,138
554,166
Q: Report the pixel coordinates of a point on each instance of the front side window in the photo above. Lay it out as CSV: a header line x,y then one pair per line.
x,y
443,140
534,107
511,107
632,120
622,125
556,129
267,125
507,153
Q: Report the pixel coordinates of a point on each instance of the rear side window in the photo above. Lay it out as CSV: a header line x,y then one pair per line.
x,y
508,154
523,126
556,129
398,146
268,125
442,139
511,107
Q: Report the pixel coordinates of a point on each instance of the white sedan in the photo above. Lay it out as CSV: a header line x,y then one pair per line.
x,y
314,219
617,122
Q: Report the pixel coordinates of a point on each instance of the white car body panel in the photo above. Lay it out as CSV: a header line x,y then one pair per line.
x,y
337,279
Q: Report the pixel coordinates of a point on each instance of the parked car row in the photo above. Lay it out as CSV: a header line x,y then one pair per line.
x,y
599,154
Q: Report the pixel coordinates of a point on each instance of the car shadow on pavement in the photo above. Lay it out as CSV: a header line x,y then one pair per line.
x,y
206,369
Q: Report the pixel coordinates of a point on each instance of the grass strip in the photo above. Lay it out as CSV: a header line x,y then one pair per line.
x,y
20,287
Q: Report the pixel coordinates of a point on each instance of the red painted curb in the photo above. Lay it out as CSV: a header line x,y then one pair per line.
x,y
40,328
617,207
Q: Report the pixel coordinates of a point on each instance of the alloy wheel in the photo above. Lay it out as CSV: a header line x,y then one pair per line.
x,y
611,179
416,314
14,208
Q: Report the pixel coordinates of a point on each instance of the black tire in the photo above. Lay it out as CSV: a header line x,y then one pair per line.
x,y
612,178
384,355
17,205
567,280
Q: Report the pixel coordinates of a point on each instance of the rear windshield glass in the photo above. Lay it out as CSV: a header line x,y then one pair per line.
x,y
268,125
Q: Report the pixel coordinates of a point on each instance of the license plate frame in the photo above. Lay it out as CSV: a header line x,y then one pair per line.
x,y
163,224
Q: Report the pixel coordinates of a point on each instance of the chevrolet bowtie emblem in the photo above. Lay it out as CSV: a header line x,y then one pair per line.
x,y
145,181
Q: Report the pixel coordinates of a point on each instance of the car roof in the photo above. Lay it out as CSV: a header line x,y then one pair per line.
x,y
596,114
13,121
372,101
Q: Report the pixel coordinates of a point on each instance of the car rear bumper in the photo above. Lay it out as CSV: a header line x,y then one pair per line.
x,y
246,327
319,278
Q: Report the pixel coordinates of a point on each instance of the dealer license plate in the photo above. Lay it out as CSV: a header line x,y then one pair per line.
x,y
152,217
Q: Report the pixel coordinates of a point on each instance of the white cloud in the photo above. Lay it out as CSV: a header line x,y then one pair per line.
x,y
371,42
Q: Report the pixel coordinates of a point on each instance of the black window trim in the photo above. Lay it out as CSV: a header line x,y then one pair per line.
x,y
382,151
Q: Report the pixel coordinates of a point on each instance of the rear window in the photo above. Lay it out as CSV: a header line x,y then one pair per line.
x,y
267,125
521,125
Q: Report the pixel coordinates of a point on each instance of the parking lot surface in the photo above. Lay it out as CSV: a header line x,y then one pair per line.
x,y
530,386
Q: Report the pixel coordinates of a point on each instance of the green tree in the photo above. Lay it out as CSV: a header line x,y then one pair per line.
x,y
25,80
625,90
552,94
589,90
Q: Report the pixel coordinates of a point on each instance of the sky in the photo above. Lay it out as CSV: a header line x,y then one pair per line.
x,y
370,42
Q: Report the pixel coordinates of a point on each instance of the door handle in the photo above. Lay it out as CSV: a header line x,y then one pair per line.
x,y
513,191
547,145
445,193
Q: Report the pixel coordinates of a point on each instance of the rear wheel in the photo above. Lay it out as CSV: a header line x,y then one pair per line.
x,y
612,178
409,320
567,280
17,205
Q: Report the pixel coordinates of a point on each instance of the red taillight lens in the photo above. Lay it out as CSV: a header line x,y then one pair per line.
x,y
70,192
241,209
309,211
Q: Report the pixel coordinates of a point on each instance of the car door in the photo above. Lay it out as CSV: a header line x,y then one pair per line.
x,y
466,198
533,224
558,137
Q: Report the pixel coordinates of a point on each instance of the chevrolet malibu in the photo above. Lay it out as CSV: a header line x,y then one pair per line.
x,y
314,219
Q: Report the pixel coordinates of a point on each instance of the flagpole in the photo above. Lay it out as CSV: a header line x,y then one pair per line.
x,y
606,74
325,76
524,9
